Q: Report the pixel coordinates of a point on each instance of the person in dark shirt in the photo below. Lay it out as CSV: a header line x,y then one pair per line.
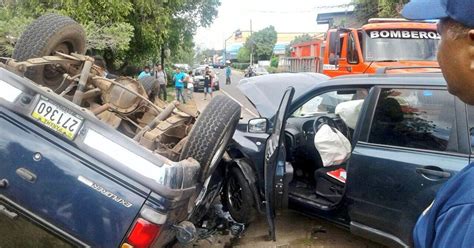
x,y
449,220
207,84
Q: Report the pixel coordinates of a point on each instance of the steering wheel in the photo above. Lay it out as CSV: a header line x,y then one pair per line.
x,y
318,123
332,123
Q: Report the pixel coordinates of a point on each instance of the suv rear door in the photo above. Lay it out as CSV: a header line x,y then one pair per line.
x,y
275,163
410,143
50,191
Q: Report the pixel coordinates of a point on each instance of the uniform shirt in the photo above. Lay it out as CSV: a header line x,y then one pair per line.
x,y
144,74
227,72
179,80
449,220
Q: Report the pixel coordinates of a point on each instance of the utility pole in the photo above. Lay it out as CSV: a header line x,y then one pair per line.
x,y
251,44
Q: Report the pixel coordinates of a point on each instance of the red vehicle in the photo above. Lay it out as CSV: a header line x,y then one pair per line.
x,y
381,44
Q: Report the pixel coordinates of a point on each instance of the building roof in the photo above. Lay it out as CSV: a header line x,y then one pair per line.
x,y
325,18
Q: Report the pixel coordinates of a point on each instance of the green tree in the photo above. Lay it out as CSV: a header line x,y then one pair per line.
x,y
296,40
365,9
262,43
123,31
243,56
274,61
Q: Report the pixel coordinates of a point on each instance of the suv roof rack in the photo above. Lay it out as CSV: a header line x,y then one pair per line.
x,y
383,70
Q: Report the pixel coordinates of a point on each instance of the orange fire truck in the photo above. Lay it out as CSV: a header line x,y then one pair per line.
x,y
382,44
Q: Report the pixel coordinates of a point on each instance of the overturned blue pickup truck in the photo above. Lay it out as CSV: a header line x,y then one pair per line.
x,y
90,161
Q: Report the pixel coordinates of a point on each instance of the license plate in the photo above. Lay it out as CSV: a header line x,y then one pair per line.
x,y
57,118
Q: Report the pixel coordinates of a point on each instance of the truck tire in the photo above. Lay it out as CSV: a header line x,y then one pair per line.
x,y
237,197
45,36
148,84
211,133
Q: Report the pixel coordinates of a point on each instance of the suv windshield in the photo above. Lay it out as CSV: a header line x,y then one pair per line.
x,y
395,45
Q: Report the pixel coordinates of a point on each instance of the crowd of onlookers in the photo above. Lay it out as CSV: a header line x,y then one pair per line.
x,y
182,82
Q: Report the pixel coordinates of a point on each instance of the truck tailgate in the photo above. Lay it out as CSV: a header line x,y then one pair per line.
x,y
64,187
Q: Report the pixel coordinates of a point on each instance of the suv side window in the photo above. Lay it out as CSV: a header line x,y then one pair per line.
x,y
326,103
415,118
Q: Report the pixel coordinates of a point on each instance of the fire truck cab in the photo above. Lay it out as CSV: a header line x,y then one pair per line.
x,y
380,44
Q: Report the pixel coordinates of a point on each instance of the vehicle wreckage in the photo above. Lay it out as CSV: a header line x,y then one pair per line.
x,y
144,163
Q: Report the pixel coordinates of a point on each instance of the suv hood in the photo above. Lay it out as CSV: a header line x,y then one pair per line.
x,y
265,92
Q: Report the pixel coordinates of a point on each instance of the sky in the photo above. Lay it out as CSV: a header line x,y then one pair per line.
x,y
284,15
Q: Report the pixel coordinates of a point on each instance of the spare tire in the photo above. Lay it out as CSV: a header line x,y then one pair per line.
x,y
211,133
45,36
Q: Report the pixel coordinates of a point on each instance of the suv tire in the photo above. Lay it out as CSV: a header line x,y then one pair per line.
x,y
211,133
237,197
45,36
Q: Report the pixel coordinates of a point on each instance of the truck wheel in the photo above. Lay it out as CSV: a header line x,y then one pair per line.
x,y
45,36
148,83
211,133
237,197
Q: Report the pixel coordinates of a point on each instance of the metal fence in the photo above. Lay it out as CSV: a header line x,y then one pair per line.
x,y
307,64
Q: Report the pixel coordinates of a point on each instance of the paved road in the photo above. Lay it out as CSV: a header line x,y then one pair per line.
x,y
248,111
293,229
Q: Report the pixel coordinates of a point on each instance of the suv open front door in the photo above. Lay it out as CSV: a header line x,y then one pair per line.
x,y
276,176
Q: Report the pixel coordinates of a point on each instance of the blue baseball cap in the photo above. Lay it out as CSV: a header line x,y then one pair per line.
x,y
458,10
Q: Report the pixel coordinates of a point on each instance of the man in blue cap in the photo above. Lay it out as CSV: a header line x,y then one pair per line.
x,y
449,220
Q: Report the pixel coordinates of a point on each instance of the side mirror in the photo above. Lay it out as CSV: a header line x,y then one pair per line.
x,y
258,125
334,46
333,59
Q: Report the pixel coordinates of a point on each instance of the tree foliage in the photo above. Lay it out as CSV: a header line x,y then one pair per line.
x,y
365,9
262,43
243,56
123,31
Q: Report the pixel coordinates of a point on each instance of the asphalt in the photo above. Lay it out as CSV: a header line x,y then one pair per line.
x,y
248,111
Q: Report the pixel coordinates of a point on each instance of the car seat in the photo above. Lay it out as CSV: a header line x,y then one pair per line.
x,y
330,182
334,149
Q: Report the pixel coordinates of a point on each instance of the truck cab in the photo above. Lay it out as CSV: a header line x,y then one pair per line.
x,y
382,43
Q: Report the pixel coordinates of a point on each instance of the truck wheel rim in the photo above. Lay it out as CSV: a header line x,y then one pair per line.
x,y
234,194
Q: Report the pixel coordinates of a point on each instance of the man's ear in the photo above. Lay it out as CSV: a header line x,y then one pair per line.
x,y
470,36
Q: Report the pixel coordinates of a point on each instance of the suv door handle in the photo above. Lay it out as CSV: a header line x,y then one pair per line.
x,y
433,171
8,213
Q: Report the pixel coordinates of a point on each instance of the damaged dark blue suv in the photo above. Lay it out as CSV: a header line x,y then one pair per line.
x,y
408,137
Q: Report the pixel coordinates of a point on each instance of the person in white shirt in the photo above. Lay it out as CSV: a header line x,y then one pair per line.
x,y
190,85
